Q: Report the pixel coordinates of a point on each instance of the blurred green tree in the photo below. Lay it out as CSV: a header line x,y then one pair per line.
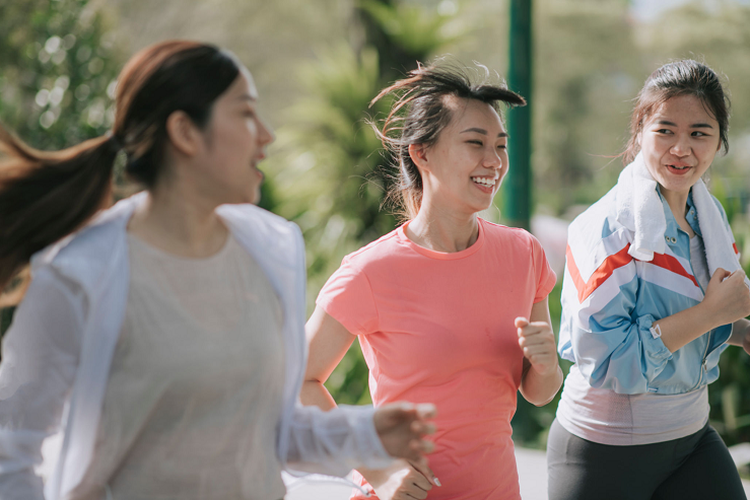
x,y
57,77
58,73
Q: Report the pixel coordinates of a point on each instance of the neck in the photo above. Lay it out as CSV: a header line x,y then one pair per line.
x,y
678,205
178,220
443,231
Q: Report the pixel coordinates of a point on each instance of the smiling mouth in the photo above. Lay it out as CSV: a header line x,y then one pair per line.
x,y
679,168
484,181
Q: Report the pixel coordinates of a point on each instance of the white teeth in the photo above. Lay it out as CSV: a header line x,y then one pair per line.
x,y
484,181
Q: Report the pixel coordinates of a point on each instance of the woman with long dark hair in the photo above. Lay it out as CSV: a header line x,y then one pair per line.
x,y
164,338
653,293
448,307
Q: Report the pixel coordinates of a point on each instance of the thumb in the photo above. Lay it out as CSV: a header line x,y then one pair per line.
x,y
425,470
426,411
520,322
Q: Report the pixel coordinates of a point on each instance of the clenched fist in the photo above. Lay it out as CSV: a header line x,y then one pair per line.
x,y
538,343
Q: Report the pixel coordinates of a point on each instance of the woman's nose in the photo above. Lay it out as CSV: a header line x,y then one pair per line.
x,y
681,146
493,159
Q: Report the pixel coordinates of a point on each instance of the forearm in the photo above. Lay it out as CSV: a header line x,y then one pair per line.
x,y
335,441
314,393
685,326
540,389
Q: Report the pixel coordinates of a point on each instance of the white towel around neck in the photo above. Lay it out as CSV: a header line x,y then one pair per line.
x,y
640,209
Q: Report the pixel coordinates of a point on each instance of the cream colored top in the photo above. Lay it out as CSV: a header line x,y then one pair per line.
x,y
195,389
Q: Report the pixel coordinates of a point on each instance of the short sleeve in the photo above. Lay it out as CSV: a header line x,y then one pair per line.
x,y
545,276
347,297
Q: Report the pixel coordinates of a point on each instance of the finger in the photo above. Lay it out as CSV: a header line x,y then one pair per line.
x,y
538,336
426,411
412,493
720,274
535,328
423,428
738,275
538,351
520,322
418,479
426,473
419,447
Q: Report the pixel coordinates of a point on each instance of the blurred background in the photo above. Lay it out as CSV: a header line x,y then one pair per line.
x,y
317,65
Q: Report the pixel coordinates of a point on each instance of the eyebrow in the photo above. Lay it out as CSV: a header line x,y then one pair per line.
x,y
694,125
482,131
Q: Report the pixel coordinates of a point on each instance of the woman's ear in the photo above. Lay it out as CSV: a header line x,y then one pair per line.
x,y
183,134
418,154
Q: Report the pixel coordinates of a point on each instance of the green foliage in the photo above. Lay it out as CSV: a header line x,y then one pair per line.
x,y
330,176
57,75
730,394
411,28
58,71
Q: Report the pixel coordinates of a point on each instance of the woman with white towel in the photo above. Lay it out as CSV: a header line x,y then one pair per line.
x,y
653,292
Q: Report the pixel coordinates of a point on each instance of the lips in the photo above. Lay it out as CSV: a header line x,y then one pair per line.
x,y
679,169
484,181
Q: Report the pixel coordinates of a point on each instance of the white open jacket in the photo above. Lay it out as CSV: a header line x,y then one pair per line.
x,y
57,354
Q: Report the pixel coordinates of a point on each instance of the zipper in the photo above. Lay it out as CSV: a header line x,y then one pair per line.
x,y
708,340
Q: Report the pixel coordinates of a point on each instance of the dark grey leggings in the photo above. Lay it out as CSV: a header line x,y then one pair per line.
x,y
694,467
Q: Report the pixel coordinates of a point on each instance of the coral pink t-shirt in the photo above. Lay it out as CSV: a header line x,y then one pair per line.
x,y
438,327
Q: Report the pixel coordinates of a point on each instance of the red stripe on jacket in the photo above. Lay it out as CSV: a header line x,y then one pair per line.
x,y
615,261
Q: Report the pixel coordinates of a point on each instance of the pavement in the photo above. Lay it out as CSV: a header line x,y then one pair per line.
x,y
532,474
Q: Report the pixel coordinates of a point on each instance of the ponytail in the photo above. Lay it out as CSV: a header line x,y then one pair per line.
x,y
45,196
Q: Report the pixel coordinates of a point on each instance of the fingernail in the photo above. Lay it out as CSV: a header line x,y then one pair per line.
x,y
437,481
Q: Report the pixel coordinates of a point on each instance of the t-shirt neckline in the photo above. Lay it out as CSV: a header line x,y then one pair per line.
x,y
435,254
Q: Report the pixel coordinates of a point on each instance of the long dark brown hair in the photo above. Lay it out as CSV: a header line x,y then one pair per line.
x,y
420,112
44,196
678,78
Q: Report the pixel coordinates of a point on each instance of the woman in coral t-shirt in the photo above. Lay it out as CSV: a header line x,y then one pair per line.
x,y
448,308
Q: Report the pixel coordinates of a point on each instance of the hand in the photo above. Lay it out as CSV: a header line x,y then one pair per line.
x,y
727,296
403,481
401,427
538,343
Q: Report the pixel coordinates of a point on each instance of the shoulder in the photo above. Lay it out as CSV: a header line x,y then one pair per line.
x,y
85,255
596,236
720,207
498,233
596,223
247,217
379,252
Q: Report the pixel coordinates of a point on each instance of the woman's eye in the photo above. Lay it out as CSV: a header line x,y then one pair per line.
x,y
698,133
663,131
478,143
502,146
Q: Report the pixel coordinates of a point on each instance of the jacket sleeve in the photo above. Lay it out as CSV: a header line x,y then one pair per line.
x,y
336,441
39,360
600,330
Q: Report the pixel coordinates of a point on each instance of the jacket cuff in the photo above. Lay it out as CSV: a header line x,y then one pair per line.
x,y
653,346
363,418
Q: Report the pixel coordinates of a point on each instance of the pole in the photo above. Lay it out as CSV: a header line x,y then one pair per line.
x,y
516,198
